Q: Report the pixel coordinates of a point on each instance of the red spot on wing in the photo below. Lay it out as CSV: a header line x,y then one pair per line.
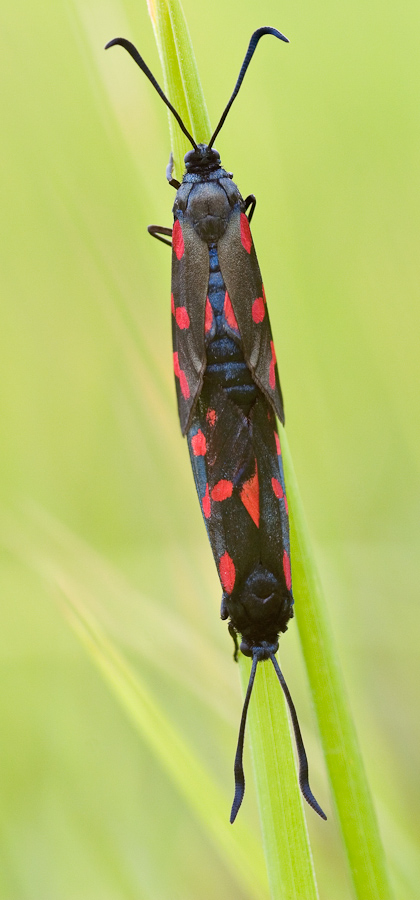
x,y
277,440
263,293
250,496
206,503
227,573
258,310
208,318
198,444
229,314
272,374
182,317
222,490
185,388
246,239
172,304
177,239
183,383
277,488
211,416
286,505
286,570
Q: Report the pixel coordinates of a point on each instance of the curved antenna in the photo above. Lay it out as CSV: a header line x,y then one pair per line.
x,y
134,53
248,56
303,759
238,767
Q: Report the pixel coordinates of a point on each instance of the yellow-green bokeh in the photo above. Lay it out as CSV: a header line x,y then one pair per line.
x,y
95,483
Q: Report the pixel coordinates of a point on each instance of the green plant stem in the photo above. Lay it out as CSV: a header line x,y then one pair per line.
x,y
349,785
181,79
286,844
283,824
285,839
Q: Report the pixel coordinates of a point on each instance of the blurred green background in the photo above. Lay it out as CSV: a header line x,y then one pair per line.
x,y
98,503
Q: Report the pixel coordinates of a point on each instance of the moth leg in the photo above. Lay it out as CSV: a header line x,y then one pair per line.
x,y
169,169
232,632
252,202
223,608
157,230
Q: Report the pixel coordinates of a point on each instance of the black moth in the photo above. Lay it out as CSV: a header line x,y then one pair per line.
x,y
229,395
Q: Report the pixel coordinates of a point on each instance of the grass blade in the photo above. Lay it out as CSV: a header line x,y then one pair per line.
x,y
286,844
180,74
349,785
285,837
238,849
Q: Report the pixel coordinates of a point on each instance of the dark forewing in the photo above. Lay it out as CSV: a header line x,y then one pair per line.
x,y
239,479
242,277
190,274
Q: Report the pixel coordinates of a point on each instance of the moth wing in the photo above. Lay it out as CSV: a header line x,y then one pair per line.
x,y
222,459
190,275
238,473
242,277
274,511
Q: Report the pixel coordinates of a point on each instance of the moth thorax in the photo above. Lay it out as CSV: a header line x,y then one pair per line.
x,y
208,209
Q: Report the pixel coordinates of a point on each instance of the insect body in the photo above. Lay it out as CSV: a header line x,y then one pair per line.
x,y
229,395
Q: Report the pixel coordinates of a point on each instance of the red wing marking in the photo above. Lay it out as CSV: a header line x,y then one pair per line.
x,y
246,239
258,310
264,297
272,374
198,443
177,239
222,490
286,505
176,365
277,488
250,496
183,383
182,317
286,570
229,314
211,416
208,318
277,440
227,573
206,503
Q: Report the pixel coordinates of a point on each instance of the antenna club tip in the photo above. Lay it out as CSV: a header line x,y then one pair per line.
x,y
236,805
114,42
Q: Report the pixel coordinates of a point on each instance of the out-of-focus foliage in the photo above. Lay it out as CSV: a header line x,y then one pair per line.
x,y
98,501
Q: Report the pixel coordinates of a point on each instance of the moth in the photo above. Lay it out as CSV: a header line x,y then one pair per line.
x,y
229,396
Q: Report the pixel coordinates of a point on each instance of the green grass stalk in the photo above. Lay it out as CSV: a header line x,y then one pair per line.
x,y
349,786
285,838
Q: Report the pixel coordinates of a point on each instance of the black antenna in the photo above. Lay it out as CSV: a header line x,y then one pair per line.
x,y
131,49
303,759
248,56
238,767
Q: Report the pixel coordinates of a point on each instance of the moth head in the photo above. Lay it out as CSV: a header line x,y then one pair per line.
x,y
202,158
